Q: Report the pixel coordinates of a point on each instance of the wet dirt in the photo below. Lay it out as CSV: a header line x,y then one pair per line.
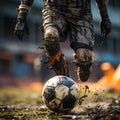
x,y
17,104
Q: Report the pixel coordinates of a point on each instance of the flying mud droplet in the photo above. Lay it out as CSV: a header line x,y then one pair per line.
x,y
86,92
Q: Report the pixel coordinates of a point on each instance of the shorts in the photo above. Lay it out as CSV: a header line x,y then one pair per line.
x,y
79,32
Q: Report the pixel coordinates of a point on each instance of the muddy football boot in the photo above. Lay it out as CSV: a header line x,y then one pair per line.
x,y
83,73
59,64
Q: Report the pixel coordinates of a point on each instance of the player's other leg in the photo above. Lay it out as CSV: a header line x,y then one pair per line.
x,y
54,25
82,43
83,60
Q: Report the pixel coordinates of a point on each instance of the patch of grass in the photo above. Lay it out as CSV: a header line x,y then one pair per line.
x,y
19,96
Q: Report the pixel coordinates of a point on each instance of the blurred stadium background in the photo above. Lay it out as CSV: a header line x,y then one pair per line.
x,y
18,59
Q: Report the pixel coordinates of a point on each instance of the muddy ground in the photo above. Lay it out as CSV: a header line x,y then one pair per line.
x,y
21,104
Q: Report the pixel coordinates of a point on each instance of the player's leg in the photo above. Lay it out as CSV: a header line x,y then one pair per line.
x,y
82,43
51,40
83,60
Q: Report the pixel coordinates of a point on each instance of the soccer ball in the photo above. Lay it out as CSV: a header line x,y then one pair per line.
x,y
60,94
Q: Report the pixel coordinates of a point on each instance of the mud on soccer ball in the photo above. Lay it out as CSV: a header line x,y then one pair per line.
x,y
60,94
